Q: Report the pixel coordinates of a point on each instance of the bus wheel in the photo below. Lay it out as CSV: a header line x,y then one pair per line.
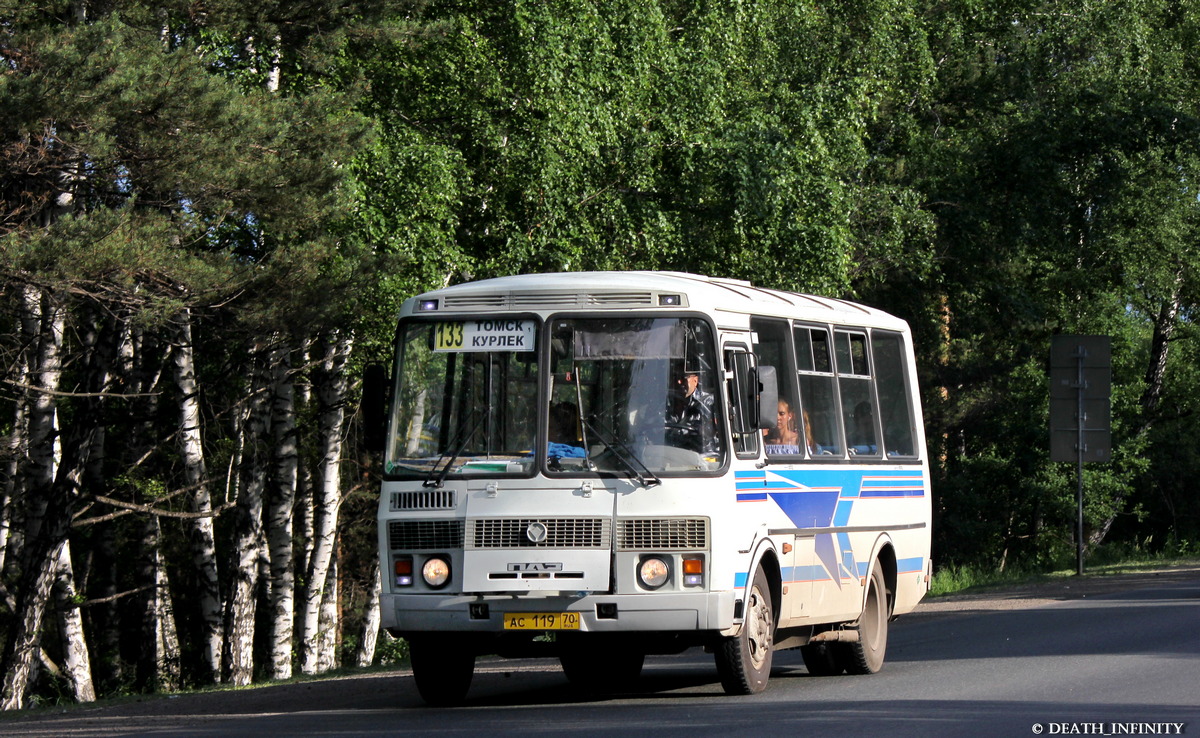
x,y
823,659
598,664
441,668
866,655
744,660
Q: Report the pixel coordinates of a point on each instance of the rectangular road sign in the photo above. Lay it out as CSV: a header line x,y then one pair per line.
x,y
1080,390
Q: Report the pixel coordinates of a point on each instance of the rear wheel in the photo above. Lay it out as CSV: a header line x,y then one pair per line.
x,y
441,668
866,655
744,660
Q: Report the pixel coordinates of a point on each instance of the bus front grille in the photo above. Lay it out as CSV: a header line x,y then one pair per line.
x,y
539,533
423,535
662,534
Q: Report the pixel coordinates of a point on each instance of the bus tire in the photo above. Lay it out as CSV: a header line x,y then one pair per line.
x,y
600,665
441,668
744,660
865,656
823,659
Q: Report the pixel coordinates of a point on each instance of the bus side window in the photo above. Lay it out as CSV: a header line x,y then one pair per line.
x,y
818,394
895,412
774,349
858,401
743,398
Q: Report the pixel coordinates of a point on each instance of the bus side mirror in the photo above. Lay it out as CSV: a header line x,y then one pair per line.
x,y
374,406
768,397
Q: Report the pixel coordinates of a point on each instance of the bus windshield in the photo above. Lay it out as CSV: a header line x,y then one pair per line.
x,y
466,399
633,394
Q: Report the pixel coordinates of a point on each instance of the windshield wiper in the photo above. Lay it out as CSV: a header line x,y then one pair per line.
x,y
627,457
437,478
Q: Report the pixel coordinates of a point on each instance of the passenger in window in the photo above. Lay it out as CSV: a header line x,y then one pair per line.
x,y
691,421
784,438
862,433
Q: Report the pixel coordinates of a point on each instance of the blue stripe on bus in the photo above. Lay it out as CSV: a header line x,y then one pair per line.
x,y
803,574
841,515
817,572
810,497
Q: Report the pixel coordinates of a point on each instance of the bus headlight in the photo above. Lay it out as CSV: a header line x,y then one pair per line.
x,y
436,572
653,572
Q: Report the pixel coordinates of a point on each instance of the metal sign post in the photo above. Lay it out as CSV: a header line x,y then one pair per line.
x,y
1080,410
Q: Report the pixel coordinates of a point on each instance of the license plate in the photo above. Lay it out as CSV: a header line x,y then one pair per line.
x,y
541,621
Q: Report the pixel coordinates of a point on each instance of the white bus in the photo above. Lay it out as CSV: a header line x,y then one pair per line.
x,y
601,466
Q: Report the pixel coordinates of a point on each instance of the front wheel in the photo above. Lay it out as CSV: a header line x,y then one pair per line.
x,y
441,668
865,656
744,660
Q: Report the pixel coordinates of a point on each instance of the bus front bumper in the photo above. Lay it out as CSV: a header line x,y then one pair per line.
x,y
604,613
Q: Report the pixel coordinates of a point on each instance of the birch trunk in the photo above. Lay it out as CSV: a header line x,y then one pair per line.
x,y
282,501
370,629
43,549
203,539
1156,371
11,516
22,647
166,638
36,551
330,622
248,535
331,387
76,662
159,664
41,450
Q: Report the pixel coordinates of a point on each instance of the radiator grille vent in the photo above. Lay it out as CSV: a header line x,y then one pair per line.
x,y
422,535
528,533
427,499
662,534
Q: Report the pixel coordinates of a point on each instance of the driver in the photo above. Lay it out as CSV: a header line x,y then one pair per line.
x,y
690,417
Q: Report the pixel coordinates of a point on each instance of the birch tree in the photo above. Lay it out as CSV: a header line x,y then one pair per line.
x,y
170,171
280,511
248,537
330,388
195,474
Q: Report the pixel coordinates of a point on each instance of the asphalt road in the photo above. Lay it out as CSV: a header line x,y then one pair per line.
x,y
1046,663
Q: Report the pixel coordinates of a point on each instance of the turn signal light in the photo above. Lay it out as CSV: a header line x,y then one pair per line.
x,y
404,572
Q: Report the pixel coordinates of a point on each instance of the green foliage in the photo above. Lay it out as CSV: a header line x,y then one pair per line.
x,y
391,651
530,136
